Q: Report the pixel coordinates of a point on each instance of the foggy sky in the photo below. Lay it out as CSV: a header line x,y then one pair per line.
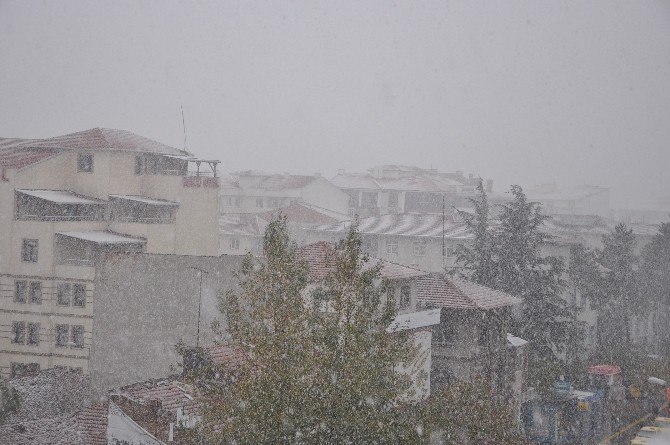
x,y
522,92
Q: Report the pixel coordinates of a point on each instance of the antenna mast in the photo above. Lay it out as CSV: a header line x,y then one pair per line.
x,y
183,124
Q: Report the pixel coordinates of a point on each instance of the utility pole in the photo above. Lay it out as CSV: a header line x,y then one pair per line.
x,y
201,271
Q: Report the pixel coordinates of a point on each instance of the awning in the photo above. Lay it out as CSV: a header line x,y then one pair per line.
x,y
103,237
145,200
60,196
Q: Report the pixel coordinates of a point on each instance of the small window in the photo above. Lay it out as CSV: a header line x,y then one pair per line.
x,y
85,163
29,251
33,333
78,336
274,202
238,201
138,165
405,297
79,295
63,291
392,247
62,332
419,248
234,244
18,370
20,291
259,203
35,292
18,332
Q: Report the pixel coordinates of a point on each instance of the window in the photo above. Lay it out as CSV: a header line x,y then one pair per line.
x,y
85,163
234,243
33,333
20,291
18,332
63,293
392,247
259,203
353,197
274,202
369,199
138,165
78,336
29,251
35,292
419,248
22,369
79,297
393,199
405,297
62,331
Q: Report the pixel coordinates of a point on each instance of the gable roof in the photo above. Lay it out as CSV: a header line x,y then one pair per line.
x,y
454,293
273,181
319,258
302,213
14,154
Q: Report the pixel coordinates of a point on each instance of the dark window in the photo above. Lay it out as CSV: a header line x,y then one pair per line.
x,y
85,163
405,297
22,369
138,165
29,251
79,297
63,294
62,332
33,333
78,336
35,292
18,332
20,291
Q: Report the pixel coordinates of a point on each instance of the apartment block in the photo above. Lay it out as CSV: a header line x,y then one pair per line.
x,y
67,201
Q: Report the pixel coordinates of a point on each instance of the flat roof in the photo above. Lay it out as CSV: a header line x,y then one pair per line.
x,y
103,237
60,196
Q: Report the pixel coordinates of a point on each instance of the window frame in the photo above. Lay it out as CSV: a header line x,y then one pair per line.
x,y
30,250
63,285
84,162
33,337
235,243
23,284
18,332
74,300
62,331
35,289
77,332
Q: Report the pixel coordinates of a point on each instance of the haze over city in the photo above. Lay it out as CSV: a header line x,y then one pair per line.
x,y
523,92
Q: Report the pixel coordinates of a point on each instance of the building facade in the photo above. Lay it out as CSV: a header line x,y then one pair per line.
x,y
67,201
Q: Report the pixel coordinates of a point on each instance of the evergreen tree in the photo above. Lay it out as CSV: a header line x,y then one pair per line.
x,y
507,257
655,280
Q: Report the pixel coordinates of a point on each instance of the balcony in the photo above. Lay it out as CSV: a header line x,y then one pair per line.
x,y
57,205
83,248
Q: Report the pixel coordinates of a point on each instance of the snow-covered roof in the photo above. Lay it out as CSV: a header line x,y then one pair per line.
x,y
515,341
454,293
415,320
103,237
404,224
60,196
145,200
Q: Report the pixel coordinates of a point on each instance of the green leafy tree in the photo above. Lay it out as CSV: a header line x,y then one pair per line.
x,y
9,401
321,366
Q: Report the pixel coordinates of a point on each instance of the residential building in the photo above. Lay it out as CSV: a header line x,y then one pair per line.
x,y
389,189
575,200
243,232
257,192
67,201
424,241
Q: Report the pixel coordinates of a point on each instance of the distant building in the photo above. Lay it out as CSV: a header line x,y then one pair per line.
x,y
257,192
576,200
67,201
390,189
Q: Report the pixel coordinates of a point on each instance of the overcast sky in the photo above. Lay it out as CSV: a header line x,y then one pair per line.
x,y
519,91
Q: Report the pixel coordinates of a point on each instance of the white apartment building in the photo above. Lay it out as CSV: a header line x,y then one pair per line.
x,y
257,192
67,200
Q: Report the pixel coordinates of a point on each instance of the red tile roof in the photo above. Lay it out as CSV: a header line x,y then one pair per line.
x,y
454,293
298,212
224,355
172,394
57,430
92,424
14,155
320,261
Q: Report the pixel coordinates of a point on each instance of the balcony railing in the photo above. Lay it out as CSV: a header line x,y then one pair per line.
x,y
201,181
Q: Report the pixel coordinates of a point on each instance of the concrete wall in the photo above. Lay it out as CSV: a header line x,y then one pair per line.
x,y
147,304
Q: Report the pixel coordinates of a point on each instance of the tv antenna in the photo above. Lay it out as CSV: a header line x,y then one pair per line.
x,y
183,124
